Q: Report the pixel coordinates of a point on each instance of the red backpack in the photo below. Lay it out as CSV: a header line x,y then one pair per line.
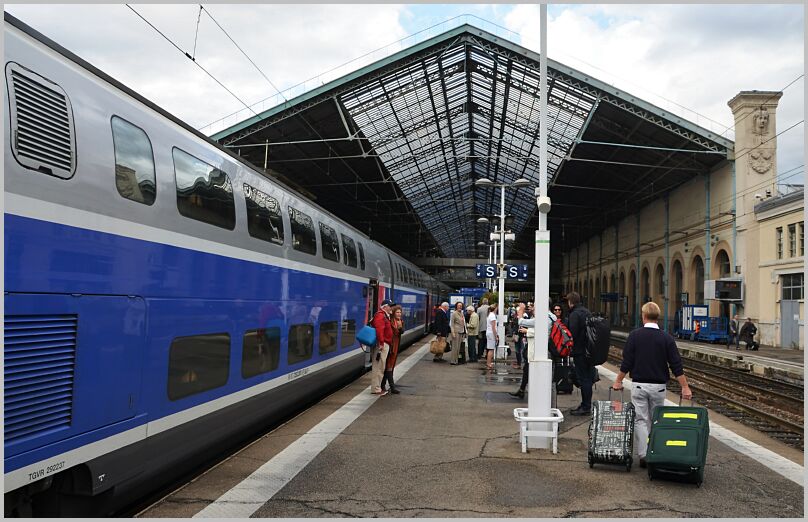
x,y
560,339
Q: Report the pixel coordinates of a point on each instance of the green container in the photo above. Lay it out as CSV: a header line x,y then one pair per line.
x,y
677,445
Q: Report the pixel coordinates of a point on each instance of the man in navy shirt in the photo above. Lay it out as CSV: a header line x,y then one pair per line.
x,y
648,354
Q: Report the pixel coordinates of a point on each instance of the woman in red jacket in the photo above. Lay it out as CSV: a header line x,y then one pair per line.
x,y
397,324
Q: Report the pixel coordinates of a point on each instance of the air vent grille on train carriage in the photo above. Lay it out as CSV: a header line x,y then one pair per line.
x,y
41,123
40,361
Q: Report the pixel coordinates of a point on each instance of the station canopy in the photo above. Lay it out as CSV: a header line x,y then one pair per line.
x,y
395,147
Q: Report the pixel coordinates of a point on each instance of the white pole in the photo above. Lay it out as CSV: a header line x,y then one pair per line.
x,y
541,368
503,346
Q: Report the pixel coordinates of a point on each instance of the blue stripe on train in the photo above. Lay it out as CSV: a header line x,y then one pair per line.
x,y
123,351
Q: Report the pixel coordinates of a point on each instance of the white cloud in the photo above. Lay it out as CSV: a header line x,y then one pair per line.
x,y
698,56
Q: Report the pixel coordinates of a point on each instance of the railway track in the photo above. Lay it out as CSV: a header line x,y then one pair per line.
x,y
770,406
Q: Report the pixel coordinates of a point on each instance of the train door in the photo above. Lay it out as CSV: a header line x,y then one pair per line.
x,y
371,306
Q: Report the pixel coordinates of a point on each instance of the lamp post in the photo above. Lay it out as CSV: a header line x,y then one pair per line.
x,y
485,182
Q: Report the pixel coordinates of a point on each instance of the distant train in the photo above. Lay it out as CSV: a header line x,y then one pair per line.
x,y
162,296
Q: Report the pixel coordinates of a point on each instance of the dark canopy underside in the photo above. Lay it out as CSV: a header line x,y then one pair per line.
x,y
395,148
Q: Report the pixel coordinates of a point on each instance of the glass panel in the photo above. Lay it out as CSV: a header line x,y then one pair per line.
x,y
361,256
328,337
303,236
779,236
197,363
328,236
134,162
792,240
348,333
261,351
204,192
301,340
264,219
349,251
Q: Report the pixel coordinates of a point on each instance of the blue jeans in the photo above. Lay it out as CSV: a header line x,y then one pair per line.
x,y
583,370
471,344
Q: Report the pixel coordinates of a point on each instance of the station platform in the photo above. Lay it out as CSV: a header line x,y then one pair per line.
x,y
783,363
448,446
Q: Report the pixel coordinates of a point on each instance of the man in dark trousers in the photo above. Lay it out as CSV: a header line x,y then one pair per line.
x,y
441,327
576,322
648,354
748,331
733,333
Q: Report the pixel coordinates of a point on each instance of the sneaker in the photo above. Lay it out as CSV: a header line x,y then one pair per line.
x,y
580,412
518,394
394,391
383,393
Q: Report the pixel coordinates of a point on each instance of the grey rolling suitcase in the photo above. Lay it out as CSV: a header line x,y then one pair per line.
x,y
611,433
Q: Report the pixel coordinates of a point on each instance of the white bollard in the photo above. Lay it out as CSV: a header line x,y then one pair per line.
x,y
539,391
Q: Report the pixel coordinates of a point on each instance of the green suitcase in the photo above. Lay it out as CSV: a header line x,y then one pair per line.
x,y
677,444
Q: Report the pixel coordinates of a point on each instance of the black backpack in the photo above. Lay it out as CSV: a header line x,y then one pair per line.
x,y
598,336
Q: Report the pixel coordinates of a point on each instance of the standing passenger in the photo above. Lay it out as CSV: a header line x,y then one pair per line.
x,y
457,325
647,355
733,334
441,327
384,336
472,329
576,322
482,314
397,325
491,337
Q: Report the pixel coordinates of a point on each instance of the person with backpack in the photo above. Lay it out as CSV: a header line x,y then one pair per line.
x,y
648,354
576,323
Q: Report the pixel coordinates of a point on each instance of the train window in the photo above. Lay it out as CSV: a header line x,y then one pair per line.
x,y
330,242
204,192
348,333
303,236
328,337
348,251
261,351
301,338
264,219
41,123
134,162
197,363
361,256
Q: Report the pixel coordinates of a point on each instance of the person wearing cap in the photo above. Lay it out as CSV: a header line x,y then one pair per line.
x,y
473,329
442,328
384,337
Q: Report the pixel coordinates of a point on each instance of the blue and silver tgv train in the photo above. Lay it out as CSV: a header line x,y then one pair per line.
x,y
161,295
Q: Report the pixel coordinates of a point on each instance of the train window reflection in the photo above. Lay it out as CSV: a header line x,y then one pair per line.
x,y
198,363
303,237
134,162
361,256
261,351
204,192
349,251
264,219
328,236
301,339
348,333
328,337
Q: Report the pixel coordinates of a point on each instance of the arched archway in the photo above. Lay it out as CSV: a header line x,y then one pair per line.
x,y
697,269
659,285
723,269
632,297
596,297
676,290
645,285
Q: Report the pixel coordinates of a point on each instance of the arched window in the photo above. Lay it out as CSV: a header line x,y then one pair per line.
x,y
722,264
645,288
698,271
659,277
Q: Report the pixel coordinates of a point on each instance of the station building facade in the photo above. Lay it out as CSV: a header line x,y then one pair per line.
x,y
727,223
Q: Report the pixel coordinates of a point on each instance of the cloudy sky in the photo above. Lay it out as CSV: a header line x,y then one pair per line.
x,y
690,59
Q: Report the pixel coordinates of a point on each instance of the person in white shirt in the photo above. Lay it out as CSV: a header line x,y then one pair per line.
x,y
491,336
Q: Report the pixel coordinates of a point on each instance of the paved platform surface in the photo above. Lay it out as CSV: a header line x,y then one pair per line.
x,y
448,446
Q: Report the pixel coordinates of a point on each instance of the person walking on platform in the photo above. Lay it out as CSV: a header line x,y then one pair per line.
x,y
748,331
576,323
397,326
472,329
482,315
384,336
491,336
441,327
733,333
457,325
648,354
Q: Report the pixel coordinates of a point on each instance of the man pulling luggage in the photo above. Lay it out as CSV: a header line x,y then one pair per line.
x,y
648,354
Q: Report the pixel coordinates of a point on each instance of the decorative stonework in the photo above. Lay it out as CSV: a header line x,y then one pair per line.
x,y
760,160
760,122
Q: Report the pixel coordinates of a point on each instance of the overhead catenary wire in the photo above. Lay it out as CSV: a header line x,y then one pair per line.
x,y
190,58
